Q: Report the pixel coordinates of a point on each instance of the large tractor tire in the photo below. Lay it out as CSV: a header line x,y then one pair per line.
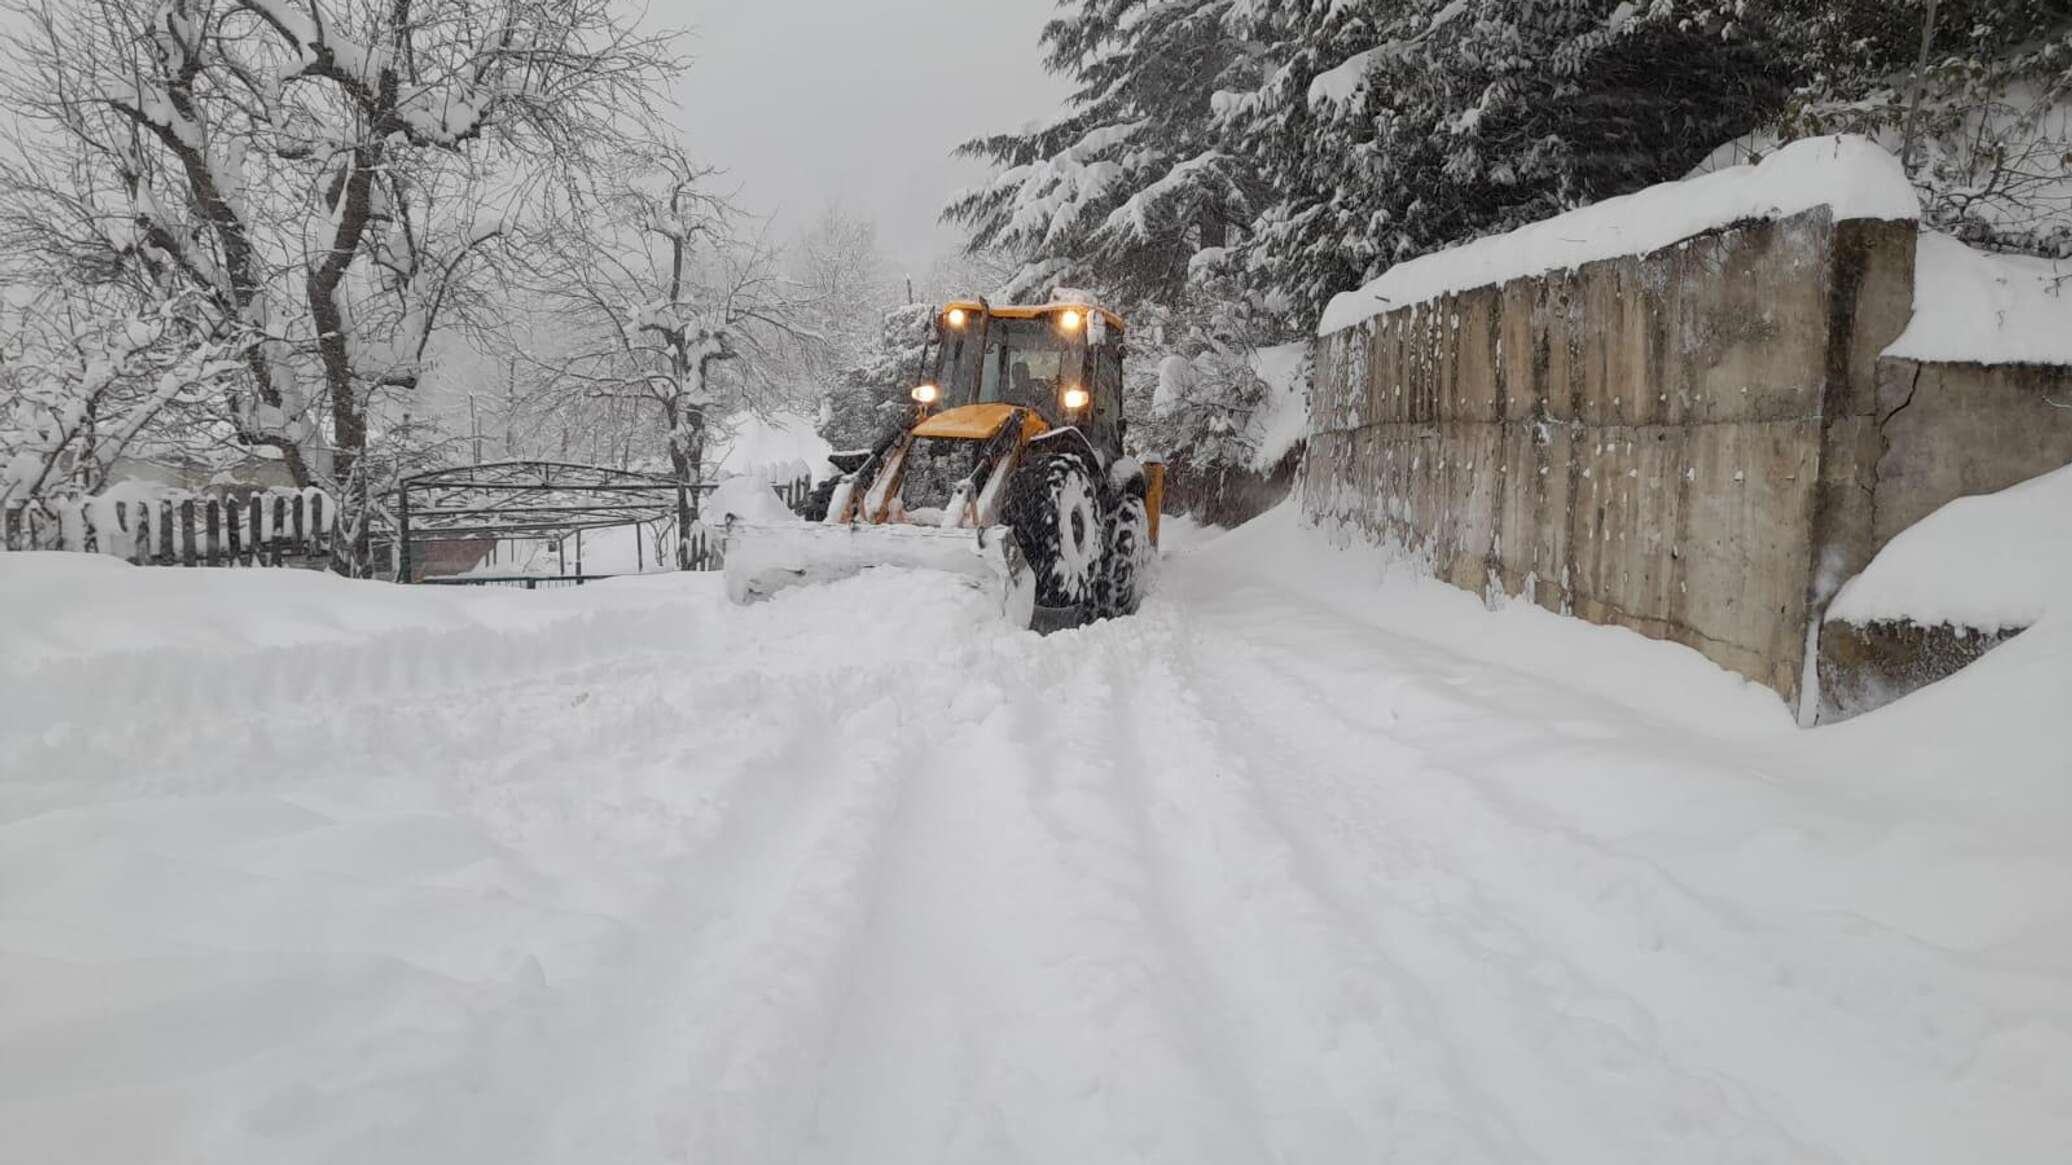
x,y
1054,508
1128,560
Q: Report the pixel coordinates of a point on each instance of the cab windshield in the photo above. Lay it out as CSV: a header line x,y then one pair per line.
x,y
1028,362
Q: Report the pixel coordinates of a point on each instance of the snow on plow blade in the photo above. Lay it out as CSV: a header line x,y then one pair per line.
x,y
762,559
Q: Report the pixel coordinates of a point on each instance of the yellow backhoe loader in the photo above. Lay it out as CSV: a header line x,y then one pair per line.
x,y
1011,474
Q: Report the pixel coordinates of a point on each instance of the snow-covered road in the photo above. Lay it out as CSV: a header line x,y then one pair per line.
x,y
1298,865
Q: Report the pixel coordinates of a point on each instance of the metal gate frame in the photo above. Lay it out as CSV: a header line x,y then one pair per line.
x,y
534,499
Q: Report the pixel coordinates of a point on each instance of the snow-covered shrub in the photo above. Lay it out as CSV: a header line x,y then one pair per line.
x,y
1985,128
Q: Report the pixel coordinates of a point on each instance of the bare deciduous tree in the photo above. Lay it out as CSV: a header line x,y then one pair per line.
x,y
839,268
662,307
327,175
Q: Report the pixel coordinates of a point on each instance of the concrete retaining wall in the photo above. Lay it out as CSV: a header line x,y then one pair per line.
x,y
1952,430
1947,431
1685,443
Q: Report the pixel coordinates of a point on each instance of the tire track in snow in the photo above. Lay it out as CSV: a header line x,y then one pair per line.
x,y
1013,1002
1341,1046
848,930
765,978
764,830
1101,812
753,943
1566,1043
729,949
1831,1001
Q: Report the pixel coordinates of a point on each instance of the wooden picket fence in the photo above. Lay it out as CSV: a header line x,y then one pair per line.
x,y
796,493
276,528
703,553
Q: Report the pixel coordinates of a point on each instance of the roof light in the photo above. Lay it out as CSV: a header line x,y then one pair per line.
x,y
1069,320
926,393
1075,399
957,317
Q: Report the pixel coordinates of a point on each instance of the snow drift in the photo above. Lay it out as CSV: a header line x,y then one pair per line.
x,y
1977,308
1999,561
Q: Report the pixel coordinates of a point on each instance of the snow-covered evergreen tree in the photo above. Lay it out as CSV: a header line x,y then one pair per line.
x,y
1396,127
1304,128
1224,167
871,397
1203,393
1132,193
1123,189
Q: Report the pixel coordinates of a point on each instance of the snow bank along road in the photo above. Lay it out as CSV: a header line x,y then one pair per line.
x,y
1300,865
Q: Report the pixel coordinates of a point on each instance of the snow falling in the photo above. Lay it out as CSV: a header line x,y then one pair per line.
x,y
827,582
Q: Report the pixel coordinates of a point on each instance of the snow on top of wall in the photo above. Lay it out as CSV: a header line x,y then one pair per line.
x,y
1993,561
1851,175
1973,307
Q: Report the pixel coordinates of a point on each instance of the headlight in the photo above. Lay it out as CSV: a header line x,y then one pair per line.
x,y
926,393
957,317
1069,320
1075,399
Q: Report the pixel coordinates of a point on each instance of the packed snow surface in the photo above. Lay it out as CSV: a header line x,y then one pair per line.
x,y
1979,308
1992,561
1852,176
1311,861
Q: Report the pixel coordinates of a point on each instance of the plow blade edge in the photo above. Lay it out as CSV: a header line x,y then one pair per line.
x,y
762,559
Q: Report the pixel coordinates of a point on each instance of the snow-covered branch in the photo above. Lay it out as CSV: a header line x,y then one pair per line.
x,y
85,393
668,306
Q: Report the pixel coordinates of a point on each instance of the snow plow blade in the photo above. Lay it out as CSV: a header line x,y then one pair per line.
x,y
762,559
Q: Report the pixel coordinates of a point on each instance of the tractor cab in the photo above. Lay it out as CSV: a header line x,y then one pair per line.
x,y
1062,361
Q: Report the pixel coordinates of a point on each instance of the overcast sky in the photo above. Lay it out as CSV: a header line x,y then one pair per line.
x,y
858,102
